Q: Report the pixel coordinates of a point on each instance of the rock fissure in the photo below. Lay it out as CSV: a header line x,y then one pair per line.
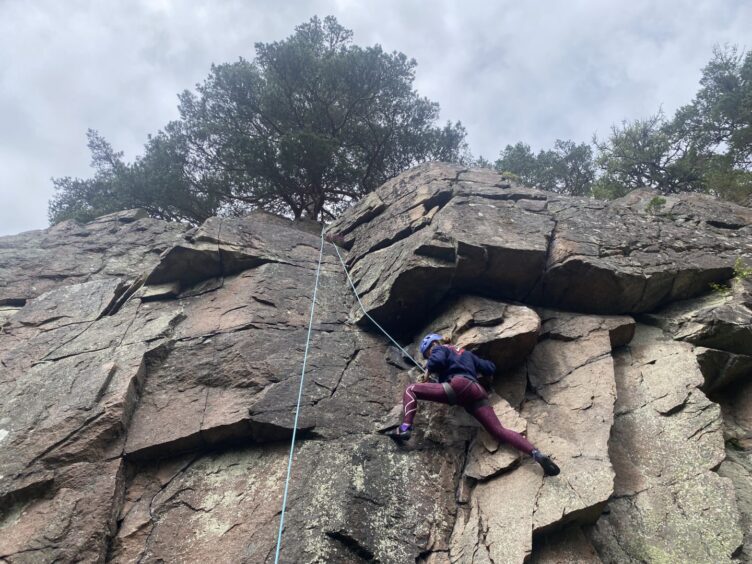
x,y
352,545
550,239
50,355
65,439
203,360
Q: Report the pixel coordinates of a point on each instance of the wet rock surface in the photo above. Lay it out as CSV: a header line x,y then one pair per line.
x,y
149,375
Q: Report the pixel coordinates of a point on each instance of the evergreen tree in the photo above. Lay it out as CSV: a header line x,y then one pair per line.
x,y
568,168
309,125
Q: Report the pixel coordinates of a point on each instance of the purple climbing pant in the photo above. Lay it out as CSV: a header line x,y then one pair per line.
x,y
470,395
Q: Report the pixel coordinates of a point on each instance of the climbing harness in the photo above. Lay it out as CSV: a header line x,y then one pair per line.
x,y
300,395
449,391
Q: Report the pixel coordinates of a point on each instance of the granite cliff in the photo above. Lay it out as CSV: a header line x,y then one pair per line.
x,y
149,374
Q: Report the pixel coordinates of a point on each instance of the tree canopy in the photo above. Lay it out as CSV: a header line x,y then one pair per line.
x,y
314,122
567,168
705,147
311,123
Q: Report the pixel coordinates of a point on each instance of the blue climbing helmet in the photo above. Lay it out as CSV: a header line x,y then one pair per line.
x,y
429,339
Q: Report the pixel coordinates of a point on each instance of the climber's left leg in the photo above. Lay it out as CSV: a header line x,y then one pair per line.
x,y
414,392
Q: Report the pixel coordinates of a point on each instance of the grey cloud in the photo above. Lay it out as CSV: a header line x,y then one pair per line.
x,y
533,71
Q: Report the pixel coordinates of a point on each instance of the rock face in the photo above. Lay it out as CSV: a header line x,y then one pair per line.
x,y
120,245
149,374
569,410
667,438
478,232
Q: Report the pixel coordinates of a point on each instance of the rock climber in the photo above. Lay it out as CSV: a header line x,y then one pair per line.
x,y
457,373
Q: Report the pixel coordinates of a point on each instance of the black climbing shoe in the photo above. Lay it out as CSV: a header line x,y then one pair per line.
x,y
549,466
399,434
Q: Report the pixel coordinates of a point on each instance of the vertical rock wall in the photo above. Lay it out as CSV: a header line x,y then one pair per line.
x,y
149,373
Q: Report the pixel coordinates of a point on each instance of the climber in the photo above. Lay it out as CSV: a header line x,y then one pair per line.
x,y
457,371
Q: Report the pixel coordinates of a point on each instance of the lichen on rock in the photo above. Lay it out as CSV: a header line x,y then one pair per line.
x,y
149,375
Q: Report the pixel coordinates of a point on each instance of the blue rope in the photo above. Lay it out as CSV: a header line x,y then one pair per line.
x,y
407,354
300,395
302,375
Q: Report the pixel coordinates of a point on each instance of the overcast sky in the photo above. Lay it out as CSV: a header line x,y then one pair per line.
x,y
510,71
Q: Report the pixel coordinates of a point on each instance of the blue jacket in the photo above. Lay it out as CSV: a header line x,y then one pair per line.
x,y
447,361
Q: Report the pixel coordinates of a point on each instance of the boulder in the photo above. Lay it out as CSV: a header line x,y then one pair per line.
x,y
345,495
568,546
499,331
568,412
717,321
736,406
605,259
500,248
119,245
71,390
738,468
223,246
486,457
720,324
66,519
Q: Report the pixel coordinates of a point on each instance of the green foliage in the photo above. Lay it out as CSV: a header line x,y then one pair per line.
x,y
705,147
741,272
160,182
606,189
481,162
733,184
519,160
510,176
647,154
567,169
719,118
655,205
720,289
310,124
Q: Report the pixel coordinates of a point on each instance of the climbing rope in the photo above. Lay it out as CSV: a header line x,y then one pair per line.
x,y
363,309
300,395
302,374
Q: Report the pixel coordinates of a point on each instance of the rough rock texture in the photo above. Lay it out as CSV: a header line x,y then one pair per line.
x,y
569,411
720,323
504,333
478,231
736,405
569,546
667,438
122,245
149,374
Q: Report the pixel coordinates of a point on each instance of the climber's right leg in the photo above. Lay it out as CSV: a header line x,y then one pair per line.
x,y
473,397
487,417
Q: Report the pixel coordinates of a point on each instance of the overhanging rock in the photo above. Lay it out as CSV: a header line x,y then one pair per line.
x,y
507,241
149,376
